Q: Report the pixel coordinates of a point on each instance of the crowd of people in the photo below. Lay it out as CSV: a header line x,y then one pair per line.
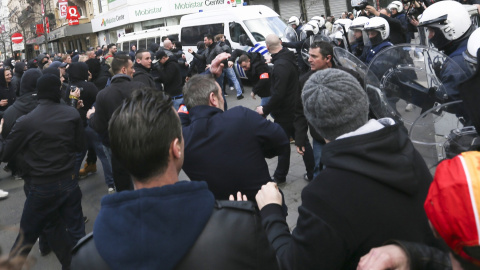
x,y
371,201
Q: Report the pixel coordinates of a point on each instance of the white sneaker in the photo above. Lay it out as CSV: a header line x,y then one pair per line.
x,y
3,194
409,107
111,190
232,89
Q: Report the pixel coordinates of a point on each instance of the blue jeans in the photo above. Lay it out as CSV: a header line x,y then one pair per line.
x,y
59,204
94,141
317,155
264,101
232,77
177,102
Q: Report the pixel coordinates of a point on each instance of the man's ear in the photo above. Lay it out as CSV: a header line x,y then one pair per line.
x,y
212,99
176,148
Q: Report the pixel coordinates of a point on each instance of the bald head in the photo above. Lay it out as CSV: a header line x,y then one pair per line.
x,y
167,44
273,42
386,12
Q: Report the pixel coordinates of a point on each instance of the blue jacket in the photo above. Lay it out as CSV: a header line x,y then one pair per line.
x,y
451,76
228,149
375,50
172,217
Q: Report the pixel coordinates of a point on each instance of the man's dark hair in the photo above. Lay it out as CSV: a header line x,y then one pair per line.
x,y
141,131
120,61
325,48
110,45
197,91
139,54
208,36
163,38
243,58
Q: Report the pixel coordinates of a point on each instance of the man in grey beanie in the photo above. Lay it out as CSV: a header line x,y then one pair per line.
x,y
372,189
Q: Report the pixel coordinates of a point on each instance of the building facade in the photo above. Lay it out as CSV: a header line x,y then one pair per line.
x,y
103,21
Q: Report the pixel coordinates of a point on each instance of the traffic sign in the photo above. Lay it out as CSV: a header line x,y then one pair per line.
x,y
17,38
18,47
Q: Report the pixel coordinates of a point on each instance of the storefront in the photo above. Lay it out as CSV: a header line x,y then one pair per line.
x,y
72,37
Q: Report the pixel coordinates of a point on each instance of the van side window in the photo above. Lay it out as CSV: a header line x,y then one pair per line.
x,y
236,30
142,44
150,41
193,34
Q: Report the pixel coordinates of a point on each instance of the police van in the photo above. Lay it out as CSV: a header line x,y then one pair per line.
x,y
246,27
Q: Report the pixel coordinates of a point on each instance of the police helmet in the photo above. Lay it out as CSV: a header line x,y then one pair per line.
x,y
294,20
380,25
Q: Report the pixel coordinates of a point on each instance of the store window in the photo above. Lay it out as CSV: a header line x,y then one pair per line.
x,y
79,45
153,23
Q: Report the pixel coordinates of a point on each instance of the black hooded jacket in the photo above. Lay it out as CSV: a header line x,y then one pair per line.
x,y
25,103
100,74
372,190
17,76
170,76
142,74
197,66
284,84
6,91
108,100
78,74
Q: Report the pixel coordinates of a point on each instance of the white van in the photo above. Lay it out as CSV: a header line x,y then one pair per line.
x,y
142,39
246,27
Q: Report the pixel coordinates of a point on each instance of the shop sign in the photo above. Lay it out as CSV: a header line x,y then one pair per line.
x,y
72,15
184,7
149,11
62,6
110,20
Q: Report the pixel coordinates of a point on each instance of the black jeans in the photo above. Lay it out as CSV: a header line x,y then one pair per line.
x,y
52,206
283,164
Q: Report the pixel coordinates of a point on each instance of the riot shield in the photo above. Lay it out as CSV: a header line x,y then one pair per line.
x,y
414,87
290,34
441,133
345,59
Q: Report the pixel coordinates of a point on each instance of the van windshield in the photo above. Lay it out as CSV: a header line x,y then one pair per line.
x,y
262,27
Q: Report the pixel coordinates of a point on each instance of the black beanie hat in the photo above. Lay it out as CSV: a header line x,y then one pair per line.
x,y
49,87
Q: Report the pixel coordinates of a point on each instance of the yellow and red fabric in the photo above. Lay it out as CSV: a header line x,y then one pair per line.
x,y
453,202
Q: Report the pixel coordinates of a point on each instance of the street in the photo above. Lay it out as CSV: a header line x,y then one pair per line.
x,y
94,188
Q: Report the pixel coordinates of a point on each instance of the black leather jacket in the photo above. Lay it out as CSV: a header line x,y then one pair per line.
x,y
423,257
232,239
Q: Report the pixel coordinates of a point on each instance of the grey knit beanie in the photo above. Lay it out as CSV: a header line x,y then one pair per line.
x,y
334,103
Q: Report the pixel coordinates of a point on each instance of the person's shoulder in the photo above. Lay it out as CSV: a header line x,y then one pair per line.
x,y
85,255
240,111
